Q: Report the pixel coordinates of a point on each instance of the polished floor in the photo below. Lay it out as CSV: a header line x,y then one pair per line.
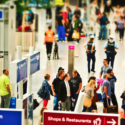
x,y
51,66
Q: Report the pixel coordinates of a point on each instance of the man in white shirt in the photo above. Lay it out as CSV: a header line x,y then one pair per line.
x,y
66,93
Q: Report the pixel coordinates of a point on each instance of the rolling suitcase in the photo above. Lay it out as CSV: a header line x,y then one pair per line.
x,y
112,109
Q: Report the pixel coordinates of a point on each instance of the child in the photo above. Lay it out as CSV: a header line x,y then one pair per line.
x,y
40,122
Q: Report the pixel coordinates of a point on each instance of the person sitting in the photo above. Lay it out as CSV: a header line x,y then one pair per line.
x,y
40,121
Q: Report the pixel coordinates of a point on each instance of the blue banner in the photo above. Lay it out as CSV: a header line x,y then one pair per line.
x,y
1,14
21,70
35,63
10,117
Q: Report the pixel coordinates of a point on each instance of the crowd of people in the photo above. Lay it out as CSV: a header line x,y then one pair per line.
x,y
65,88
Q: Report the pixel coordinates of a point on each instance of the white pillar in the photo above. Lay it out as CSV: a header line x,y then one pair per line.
x,y
53,19
88,9
80,101
20,84
29,84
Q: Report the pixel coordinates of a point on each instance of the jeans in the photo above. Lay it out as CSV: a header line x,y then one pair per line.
x,y
49,49
85,108
56,99
73,104
102,32
89,57
61,33
121,33
110,57
5,101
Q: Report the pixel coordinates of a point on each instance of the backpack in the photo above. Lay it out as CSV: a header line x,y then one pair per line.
x,y
42,92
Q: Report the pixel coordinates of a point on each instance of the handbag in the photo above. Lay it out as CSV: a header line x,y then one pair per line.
x,y
75,35
42,92
87,102
36,103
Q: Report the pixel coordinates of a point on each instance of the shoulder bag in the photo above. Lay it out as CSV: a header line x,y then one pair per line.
x,y
87,102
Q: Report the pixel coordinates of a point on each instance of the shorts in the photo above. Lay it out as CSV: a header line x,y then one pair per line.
x,y
106,102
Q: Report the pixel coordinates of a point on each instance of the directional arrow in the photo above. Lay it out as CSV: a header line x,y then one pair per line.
x,y
113,122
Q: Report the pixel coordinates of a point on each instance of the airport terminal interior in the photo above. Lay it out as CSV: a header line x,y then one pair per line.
x,y
35,39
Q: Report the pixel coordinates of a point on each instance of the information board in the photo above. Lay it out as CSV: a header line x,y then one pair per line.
x,y
66,118
21,70
34,63
9,117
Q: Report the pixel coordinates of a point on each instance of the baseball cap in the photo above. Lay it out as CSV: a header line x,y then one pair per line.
x,y
60,68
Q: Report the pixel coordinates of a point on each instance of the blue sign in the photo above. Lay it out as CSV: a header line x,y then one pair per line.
x,y
34,63
1,14
10,117
21,70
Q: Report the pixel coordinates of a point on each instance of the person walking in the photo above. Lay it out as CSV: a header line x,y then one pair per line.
x,y
49,36
103,22
5,89
61,28
77,12
76,34
55,88
112,80
120,26
47,89
89,90
104,68
106,95
90,50
110,47
108,8
66,93
77,85
69,14
115,19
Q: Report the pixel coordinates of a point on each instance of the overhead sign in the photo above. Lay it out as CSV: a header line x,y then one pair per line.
x,y
59,2
11,117
66,118
34,63
21,70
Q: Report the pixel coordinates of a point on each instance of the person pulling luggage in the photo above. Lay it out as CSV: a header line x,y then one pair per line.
x,y
49,36
110,47
90,50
